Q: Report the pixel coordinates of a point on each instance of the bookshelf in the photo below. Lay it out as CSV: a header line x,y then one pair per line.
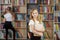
x,y
56,20
50,9
47,10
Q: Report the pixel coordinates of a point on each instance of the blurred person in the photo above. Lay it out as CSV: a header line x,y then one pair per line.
x,y
8,18
36,26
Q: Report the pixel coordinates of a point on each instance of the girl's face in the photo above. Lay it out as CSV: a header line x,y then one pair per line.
x,y
35,14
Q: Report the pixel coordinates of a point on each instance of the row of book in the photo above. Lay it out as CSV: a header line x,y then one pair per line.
x,y
56,27
22,2
5,1
46,9
41,9
57,7
48,32
19,9
20,16
48,24
14,8
48,17
57,1
20,24
57,19
48,2
10,34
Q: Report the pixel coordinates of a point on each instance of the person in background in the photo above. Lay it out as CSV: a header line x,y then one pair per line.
x,y
8,19
36,26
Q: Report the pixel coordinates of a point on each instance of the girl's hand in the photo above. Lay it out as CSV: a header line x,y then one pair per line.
x,y
41,34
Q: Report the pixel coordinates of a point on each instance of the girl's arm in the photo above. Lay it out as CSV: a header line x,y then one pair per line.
x,y
41,30
35,31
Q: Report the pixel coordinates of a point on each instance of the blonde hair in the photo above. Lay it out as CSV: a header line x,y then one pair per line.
x,y
31,17
38,17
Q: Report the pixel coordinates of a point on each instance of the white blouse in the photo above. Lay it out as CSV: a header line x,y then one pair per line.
x,y
38,26
8,17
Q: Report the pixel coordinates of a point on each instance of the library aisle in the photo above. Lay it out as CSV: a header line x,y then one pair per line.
x,y
50,9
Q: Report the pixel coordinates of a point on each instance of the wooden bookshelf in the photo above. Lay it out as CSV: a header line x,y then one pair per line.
x,y
56,19
45,7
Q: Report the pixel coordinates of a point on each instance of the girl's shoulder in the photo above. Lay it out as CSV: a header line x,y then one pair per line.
x,y
31,21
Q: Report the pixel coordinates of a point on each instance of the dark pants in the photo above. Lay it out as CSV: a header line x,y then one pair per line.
x,y
8,25
34,37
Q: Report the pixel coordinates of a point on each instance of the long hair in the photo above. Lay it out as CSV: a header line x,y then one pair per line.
x,y
31,17
39,17
10,10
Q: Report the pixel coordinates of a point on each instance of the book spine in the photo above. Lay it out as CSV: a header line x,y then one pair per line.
x,y
48,2
57,27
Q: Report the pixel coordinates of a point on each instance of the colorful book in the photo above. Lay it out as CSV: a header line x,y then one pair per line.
x,y
41,9
20,17
51,24
57,1
32,1
45,17
45,9
18,24
57,27
58,19
21,2
50,17
15,2
23,24
23,10
6,1
47,24
48,2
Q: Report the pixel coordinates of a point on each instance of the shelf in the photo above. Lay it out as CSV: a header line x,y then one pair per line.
x,y
20,20
5,4
19,13
47,5
15,38
57,22
20,5
47,13
58,4
20,28
48,20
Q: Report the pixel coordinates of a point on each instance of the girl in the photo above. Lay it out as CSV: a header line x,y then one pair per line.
x,y
35,25
8,18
